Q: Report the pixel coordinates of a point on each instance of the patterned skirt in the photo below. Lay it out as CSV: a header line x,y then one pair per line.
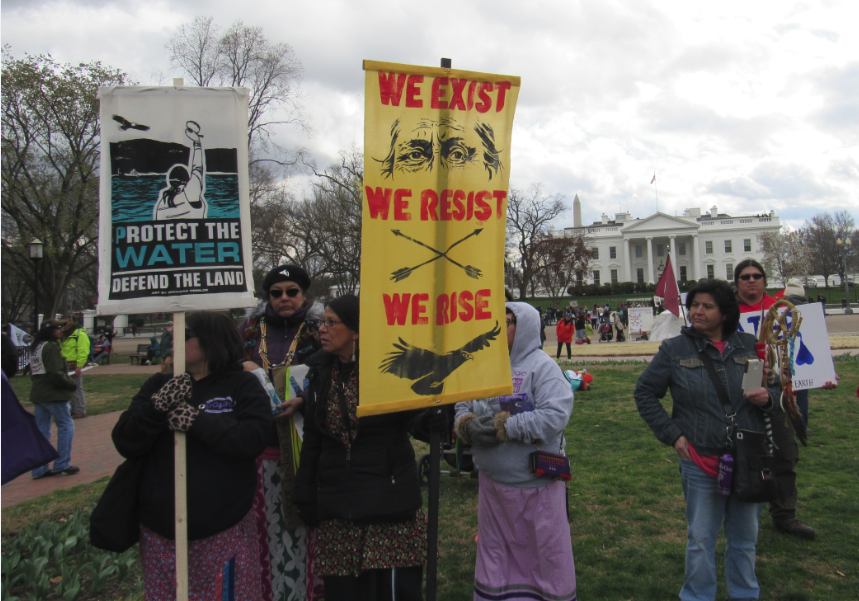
x,y
348,549
286,554
524,549
223,567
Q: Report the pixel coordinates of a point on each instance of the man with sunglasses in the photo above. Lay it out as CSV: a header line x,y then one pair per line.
x,y
750,280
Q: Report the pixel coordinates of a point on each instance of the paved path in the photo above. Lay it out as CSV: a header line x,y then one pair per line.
x,y
92,451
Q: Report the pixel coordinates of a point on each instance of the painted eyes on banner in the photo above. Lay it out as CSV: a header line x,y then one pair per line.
x,y
419,155
415,155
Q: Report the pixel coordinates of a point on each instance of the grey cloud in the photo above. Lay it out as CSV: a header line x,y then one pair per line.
x,y
739,187
845,170
674,115
774,181
840,88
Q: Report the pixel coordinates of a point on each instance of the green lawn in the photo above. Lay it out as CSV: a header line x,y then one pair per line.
x,y
626,508
104,393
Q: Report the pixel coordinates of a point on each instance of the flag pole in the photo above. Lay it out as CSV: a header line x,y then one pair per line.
x,y
655,190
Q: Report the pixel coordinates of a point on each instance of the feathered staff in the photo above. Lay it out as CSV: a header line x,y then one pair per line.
x,y
780,340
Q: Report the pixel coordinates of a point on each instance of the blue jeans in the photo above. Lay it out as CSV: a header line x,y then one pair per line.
x,y
707,511
65,433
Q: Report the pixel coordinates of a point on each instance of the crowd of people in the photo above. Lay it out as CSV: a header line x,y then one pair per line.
x,y
304,500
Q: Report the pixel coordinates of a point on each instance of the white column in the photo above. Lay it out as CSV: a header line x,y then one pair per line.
x,y
673,255
694,257
648,276
627,260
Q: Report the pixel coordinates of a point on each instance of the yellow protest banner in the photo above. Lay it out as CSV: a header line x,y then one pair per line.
x,y
436,175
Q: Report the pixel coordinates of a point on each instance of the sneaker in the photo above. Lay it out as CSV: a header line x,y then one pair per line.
x,y
69,471
796,528
47,474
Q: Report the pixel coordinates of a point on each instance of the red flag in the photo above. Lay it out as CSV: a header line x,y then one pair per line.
x,y
667,288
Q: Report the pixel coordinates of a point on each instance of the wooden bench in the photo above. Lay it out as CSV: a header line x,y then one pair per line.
x,y
140,355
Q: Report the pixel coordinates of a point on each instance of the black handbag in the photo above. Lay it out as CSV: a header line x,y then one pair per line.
x,y
753,480
114,524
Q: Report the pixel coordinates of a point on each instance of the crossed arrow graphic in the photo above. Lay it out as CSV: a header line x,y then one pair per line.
x,y
401,274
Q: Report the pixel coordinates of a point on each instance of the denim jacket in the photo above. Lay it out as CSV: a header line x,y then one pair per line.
x,y
696,411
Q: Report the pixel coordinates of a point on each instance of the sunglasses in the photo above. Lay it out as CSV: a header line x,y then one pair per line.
x,y
290,292
748,276
189,334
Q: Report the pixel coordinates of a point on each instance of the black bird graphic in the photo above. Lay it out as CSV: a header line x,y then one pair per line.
x,y
125,124
429,369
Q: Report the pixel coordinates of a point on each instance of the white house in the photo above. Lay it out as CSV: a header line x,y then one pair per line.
x,y
701,246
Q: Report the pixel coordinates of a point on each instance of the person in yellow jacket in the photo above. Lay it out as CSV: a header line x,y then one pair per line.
x,y
76,345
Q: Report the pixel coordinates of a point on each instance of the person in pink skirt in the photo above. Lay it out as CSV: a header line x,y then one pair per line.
x,y
524,549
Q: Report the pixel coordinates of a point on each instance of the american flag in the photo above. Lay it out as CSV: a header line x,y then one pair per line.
x,y
654,178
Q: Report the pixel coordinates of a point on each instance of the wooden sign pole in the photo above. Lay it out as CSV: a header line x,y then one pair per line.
x,y
180,470
180,463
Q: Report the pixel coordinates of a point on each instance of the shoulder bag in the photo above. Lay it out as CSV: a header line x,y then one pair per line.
x,y
114,524
754,480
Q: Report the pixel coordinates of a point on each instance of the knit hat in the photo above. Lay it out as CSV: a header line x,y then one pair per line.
x,y
794,287
286,273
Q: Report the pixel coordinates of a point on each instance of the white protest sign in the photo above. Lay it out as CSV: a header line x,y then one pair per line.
x,y
17,335
174,229
640,319
812,358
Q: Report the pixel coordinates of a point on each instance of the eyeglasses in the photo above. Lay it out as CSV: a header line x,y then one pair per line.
x,y
290,292
748,276
329,323
189,334
511,322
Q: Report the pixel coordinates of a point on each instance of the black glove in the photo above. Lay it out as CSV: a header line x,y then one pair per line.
x,y
435,420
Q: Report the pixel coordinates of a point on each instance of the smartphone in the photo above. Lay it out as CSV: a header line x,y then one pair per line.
x,y
754,376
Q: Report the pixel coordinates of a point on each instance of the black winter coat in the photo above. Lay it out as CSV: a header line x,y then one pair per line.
x,y
222,446
375,481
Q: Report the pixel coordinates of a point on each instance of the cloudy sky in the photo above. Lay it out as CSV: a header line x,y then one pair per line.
x,y
747,105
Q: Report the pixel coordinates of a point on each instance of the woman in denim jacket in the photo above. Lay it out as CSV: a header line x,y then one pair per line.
x,y
696,428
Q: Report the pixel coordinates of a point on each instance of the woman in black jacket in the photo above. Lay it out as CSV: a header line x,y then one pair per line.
x,y
226,415
357,478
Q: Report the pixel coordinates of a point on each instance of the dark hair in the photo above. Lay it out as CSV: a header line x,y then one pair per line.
x,y
348,309
219,339
45,333
748,263
725,298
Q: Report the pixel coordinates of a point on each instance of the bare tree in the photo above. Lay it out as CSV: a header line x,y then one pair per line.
x,y
529,214
820,235
558,262
332,220
785,254
50,152
242,56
